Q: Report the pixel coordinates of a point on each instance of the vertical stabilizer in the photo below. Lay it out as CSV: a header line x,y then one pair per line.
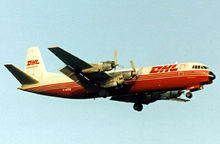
x,y
34,63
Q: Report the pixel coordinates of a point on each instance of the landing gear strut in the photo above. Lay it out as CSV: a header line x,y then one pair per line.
x,y
189,95
138,106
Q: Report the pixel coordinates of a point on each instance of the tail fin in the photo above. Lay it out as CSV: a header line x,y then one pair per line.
x,y
21,76
34,63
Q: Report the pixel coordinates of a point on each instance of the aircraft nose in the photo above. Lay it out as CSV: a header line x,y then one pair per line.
x,y
211,76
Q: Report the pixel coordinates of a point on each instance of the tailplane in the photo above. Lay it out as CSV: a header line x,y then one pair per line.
x,y
34,64
21,76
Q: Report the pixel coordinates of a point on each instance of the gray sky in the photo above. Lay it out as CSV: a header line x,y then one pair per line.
x,y
149,32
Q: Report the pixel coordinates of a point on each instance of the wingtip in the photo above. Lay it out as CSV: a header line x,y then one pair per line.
x,y
6,65
180,99
53,47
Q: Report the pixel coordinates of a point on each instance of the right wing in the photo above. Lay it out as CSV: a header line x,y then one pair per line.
x,y
69,59
75,66
78,78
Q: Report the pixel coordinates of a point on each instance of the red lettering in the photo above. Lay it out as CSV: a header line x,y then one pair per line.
x,y
173,68
36,62
32,62
28,63
166,68
156,69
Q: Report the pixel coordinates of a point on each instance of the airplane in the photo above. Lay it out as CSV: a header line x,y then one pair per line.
x,y
82,80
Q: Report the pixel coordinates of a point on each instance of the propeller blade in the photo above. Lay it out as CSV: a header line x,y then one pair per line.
x,y
134,73
132,66
116,57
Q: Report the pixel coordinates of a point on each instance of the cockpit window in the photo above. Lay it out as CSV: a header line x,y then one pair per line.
x,y
199,67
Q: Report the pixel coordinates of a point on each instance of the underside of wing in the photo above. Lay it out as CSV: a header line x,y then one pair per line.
x,y
180,100
149,97
133,98
79,78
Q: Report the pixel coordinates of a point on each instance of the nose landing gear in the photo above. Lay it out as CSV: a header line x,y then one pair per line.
x,y
189,95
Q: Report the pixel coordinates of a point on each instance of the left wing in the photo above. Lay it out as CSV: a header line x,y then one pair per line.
x,y
179,100
132,98
146,98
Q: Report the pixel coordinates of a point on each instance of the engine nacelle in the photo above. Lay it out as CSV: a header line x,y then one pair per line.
x,y
128,75
170,94
116,81
100,67
107,66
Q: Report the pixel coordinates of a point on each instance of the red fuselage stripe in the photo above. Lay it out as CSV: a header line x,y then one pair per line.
x,y
148,82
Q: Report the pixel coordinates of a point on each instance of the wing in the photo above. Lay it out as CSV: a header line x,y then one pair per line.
x,y
179,100
69,59
75,66
146,98
132,98
79,78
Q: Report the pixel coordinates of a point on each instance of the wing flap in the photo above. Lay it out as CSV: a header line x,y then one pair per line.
x,y
78,78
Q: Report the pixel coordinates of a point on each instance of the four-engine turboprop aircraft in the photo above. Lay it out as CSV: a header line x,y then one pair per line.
x,y
83,80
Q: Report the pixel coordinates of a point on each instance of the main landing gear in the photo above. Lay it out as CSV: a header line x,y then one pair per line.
x,y
138,106
189,95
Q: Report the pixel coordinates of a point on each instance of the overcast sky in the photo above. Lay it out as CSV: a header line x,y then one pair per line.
x,y
149,32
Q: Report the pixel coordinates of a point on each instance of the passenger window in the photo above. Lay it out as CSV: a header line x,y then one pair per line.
x,y
195,66
199,67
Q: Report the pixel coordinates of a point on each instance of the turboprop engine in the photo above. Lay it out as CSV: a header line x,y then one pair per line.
x,y
120,78
102,66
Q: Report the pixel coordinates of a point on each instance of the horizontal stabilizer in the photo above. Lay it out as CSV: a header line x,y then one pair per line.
x,y
21,76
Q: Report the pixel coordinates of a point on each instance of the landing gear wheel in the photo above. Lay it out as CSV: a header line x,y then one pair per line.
x,y
138,107
189,95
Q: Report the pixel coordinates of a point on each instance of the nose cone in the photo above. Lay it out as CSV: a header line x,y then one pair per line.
x,y
211,76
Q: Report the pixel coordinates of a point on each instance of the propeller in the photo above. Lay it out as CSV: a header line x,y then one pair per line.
x,y
134,74
116,57
114,63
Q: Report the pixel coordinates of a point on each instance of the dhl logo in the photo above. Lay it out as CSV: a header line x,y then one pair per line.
x,y
166,68
32,62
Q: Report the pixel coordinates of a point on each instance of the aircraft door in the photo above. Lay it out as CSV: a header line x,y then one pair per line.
x,y
181,69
